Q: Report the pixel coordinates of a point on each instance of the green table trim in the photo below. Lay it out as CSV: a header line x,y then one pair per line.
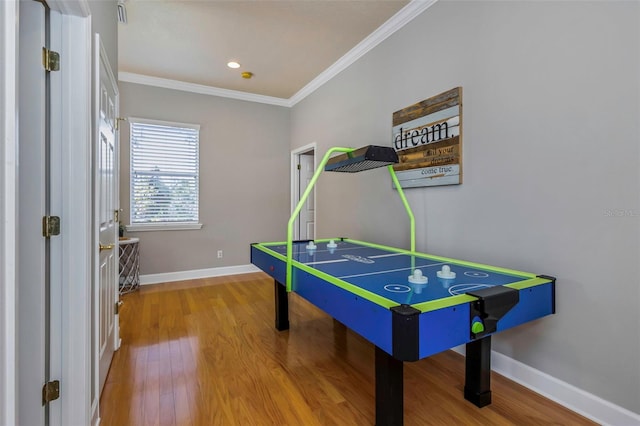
x,y
529,279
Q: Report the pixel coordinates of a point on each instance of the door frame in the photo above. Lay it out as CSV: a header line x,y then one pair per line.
x,y
8,205
33,182
295,182
72,133
76,208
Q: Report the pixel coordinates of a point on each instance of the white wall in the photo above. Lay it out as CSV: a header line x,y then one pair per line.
x,y
551,166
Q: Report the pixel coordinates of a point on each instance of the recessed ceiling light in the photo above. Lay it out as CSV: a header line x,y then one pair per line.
x,y
233,64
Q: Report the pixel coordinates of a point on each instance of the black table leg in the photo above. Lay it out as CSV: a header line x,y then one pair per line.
x,y
389,390
282,306
477,386
339,337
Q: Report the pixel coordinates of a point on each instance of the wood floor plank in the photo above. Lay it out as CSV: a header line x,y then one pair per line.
x,y
205,352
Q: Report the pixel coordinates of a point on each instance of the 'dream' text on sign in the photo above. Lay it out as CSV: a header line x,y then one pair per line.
x,y
424,134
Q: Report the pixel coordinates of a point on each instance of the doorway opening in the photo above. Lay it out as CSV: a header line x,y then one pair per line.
x,y
303,166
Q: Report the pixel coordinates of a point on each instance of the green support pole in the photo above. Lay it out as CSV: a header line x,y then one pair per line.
x,y
407,207
303,199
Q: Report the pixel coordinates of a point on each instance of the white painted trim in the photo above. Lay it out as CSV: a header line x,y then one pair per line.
x,y
95,223
295,182
575,399
8,198
196,274
78,8
139,227
72,264
76,209
56,250
129,77
133,120
397,21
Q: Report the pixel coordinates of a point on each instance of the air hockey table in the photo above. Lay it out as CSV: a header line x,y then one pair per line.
x,y
409,305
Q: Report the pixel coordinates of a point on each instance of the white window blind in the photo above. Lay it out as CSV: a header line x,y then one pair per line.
x,y
164,172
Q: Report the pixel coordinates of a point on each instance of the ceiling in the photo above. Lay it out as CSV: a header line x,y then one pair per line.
x,y
286,44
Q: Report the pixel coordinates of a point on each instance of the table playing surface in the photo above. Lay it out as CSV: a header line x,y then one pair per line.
x,y
385,271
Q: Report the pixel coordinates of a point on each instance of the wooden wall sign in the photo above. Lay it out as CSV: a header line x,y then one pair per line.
x,y
428,139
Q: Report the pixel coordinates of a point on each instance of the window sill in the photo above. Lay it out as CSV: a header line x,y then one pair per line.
x,y
163,227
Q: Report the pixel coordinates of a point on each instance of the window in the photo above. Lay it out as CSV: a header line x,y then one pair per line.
x,y
164,175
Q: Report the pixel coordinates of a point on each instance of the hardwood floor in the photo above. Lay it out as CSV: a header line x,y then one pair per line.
x,y
205,352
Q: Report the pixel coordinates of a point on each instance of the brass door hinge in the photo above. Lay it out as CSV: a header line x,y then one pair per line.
x,y
118,304
50,60
50,226
50,391
118,120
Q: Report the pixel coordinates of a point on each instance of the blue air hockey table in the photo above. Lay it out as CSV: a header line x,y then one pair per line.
x,y
367,288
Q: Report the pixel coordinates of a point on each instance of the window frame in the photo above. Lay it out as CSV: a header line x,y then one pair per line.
x,y
160,226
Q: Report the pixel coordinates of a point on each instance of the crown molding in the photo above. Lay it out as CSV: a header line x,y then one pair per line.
x,y
397,21
79,8
129,77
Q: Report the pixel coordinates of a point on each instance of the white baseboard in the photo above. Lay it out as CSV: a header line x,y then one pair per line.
x,y
582,402
197,273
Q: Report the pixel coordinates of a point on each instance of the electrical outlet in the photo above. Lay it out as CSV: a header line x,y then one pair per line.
x,y
219,254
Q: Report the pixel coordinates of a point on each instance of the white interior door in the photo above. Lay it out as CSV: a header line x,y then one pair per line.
x,y
106,201
32,258
306,220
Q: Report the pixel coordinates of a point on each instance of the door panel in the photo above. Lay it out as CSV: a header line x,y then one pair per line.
x,y
32,259
106,204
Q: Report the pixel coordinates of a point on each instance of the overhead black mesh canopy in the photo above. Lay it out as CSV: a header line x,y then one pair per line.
x,y
366,158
